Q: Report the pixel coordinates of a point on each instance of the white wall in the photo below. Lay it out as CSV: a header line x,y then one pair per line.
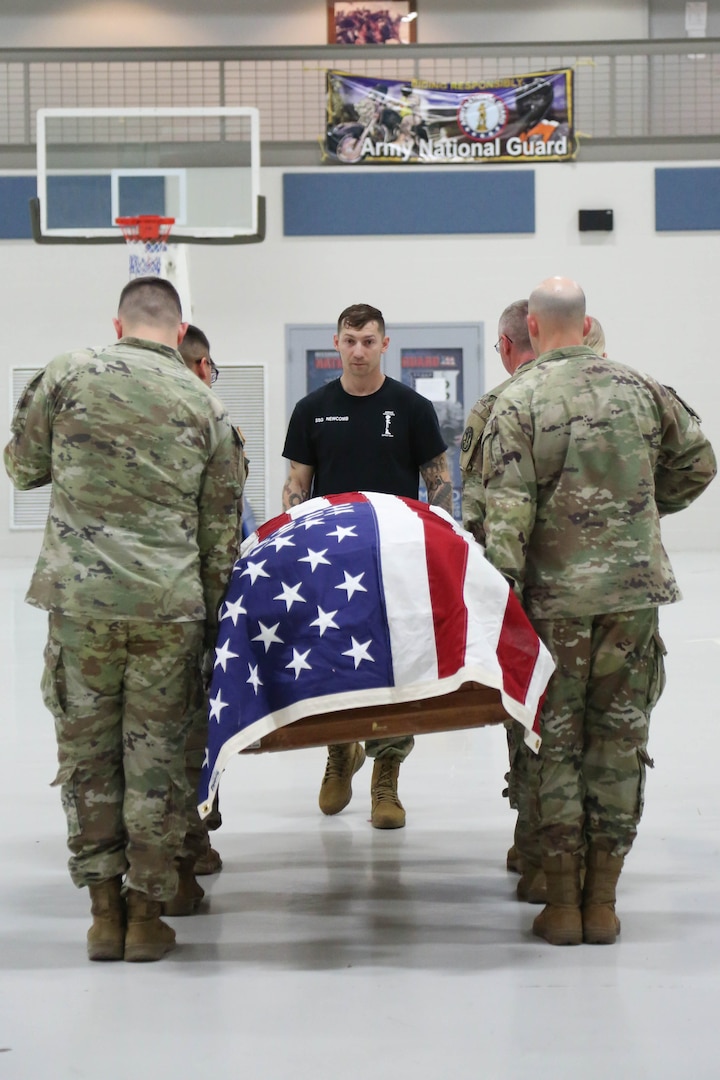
x,y
117,23
655,295
523,20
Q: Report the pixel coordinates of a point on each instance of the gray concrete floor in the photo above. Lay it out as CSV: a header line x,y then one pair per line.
x,y
330,950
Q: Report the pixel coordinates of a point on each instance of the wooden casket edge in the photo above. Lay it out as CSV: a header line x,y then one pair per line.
x,y
472,705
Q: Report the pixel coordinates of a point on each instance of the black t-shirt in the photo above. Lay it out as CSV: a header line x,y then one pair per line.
x,y
373,443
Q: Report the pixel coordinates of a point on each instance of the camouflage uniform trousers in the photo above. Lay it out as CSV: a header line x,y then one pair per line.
x,y
390,749
121,693
521,796
197,841
589,777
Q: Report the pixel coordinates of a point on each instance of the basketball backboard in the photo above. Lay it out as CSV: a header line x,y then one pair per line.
x,y
200,166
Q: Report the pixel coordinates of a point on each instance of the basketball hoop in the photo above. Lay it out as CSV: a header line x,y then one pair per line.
x,y
146,236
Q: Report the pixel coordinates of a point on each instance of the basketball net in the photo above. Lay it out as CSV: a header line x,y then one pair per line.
x,y
146,237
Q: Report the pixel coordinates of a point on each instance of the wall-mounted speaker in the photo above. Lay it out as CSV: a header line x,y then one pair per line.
x,y
595,220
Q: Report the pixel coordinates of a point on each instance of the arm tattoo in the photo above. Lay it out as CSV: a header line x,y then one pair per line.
x,y
292,496
437,481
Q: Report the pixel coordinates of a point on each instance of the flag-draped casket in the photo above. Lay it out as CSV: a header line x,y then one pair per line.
x,y
362,599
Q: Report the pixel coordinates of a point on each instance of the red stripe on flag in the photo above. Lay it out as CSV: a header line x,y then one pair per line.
x,y
268,527
347,497
264,530
446,557
517,650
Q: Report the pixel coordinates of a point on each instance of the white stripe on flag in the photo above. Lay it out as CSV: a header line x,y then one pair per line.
x,y
403,563
486,597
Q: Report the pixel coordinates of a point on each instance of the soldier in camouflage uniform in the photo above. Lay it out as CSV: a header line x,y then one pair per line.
x,y
581,457
198,856
138,547
515,350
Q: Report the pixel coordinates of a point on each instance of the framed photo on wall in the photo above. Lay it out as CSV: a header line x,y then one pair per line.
x,y
372,22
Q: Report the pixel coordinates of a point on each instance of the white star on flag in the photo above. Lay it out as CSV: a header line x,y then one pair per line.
x,y
359,652
352,584
325,620
315,558
255,570
299,662
290,595
234,610
206,759
341,533
223,654
216,707
268,636
280,542
254,679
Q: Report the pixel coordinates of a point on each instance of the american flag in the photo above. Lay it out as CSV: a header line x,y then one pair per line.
x,y
362,599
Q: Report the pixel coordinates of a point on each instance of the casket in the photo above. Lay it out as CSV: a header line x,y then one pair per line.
x,y
362,616
473,705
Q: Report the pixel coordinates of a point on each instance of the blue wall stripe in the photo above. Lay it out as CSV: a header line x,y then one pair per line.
x,y
687,199
78,202
409,203
141,195
15,194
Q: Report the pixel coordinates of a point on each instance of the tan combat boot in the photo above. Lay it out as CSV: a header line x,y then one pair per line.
x,y
513,860
601,925
209,862
387,810
147,936
344,760
106,936
560,922
532,886
189,893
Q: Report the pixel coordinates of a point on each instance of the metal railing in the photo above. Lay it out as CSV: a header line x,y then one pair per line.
x,y
632,99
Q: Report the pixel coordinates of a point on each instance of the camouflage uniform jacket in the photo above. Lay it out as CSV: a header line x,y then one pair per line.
x,y
473,489
146,476
581,457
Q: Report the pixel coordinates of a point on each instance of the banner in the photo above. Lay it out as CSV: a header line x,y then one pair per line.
x,y
521,118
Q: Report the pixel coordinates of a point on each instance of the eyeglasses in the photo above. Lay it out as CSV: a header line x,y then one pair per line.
x,y
213,368
496,346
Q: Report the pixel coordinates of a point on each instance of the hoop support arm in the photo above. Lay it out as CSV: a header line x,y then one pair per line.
x,y
254,238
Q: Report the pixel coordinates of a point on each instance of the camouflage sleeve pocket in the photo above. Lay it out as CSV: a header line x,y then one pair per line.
x,y
492,456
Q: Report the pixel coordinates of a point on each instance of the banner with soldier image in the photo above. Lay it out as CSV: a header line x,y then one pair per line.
x,y
518,118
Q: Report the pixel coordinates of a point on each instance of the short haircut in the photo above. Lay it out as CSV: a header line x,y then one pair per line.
x,y
595,337
150,300
194,345
513,323
358,315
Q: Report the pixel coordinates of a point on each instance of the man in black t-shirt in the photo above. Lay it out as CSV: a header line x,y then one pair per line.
x,y
365,432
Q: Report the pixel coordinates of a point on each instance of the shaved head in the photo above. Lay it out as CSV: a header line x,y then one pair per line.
x,y
556,314
558,299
